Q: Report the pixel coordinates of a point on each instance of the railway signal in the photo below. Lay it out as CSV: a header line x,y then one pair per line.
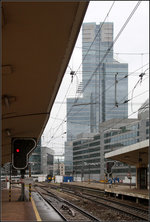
x,y
109,165
21,148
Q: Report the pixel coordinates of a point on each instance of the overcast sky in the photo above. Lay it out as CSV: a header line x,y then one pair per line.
x,y
132,47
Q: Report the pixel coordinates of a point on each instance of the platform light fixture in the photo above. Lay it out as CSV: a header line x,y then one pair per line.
x,y
8,132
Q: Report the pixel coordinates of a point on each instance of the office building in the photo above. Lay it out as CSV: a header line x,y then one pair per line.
x,y
68,158
47,161
35,159
104,83
41,160
89,150
104,88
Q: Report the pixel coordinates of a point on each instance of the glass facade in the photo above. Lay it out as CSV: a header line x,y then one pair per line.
x,y
89,152
86,157
126,136
99,69
68,159
99,92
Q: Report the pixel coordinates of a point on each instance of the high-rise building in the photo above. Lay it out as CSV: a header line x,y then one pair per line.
x,y
104,83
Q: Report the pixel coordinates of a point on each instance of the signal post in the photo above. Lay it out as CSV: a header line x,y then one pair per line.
x,y
21,149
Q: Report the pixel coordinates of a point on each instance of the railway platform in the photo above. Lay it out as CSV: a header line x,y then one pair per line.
x,y
128,191
35,210
15,210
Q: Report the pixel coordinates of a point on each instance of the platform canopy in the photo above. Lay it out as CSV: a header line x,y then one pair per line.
x,y
136,154
37,42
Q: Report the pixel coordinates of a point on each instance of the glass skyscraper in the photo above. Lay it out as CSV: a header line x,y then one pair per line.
x,y
104,84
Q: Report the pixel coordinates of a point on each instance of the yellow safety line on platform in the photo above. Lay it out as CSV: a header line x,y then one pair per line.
x,y
36,211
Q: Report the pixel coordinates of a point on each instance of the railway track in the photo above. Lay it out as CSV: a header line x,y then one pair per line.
x,y
82,188
115,204
67,210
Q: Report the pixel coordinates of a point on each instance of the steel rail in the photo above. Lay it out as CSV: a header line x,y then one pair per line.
x,y
83,188
122,207
50,203
83,212
116,205
120,203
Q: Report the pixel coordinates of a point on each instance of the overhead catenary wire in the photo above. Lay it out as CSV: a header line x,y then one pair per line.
x,y
63,101
119,121
94,39
108,50
97,34
110,127
94,125
129,74
114,124
113,108
120,53
113,42
113,84
106,91
139,81
129,91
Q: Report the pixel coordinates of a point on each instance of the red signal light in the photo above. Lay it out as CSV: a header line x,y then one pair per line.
x,y
17,150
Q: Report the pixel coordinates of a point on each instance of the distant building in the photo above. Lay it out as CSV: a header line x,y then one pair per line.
x,y
35,159
62,169
47,161
68,158
89,150
41,160
59,167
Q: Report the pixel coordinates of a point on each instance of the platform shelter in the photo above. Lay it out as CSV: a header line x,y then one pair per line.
x,y
136,155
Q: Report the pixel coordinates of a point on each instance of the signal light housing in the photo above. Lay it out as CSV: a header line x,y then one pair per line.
x,y
109,166
21,149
